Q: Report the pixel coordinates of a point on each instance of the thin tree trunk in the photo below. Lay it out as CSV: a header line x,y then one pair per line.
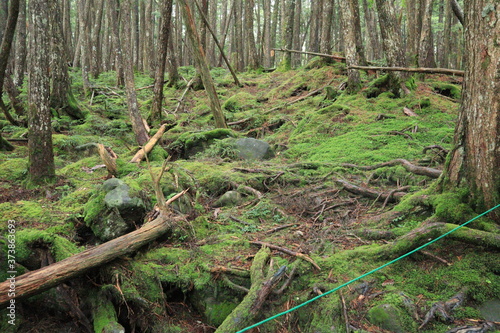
x,y
96,42
274,27
253,60
84,19
67,31
266,35
21,51
166,20
199,55
426,50
287,34
114,12
140,132
372,30
316,10
41,167
297,45
351,52
326,27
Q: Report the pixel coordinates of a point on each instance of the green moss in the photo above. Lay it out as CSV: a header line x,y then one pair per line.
x,y
240,102
448,89
13,169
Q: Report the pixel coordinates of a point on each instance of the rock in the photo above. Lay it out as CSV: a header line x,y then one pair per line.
x,y
386,316
491,310
253,149
230,198
114,211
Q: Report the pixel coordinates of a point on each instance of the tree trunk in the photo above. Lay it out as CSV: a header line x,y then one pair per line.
x,y
201,64
372,31
253,59
287,34
351,52
67,32
96,40
475,159
297,45
41,167
274,27
266,35
5,47
166,20
426,50
392,42
114,12
140,132
84,23
61,96
21,51
326,27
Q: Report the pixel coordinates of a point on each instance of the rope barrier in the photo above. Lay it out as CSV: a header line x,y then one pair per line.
x,y
366,274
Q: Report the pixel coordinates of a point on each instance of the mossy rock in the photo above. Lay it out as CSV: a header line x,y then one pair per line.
x,y
386,316
242,101
191,143
447,89
13,169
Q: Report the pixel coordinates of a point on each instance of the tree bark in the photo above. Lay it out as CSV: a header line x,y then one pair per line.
x,y
202,66
475,158
140,132
372,31
96,41
326,27
287,34
21,52
35,282
114,12
166,20
253,60
426,47
5,48
350,49
41,158
266,37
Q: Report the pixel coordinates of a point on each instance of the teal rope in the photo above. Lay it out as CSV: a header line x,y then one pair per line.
x,y
366,274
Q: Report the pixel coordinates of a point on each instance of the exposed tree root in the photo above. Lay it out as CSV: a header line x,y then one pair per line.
x,y
442,310
418,170
423,234
290,252
366,192
262,285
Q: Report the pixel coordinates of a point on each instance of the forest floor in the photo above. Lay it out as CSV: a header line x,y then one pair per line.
x,y
310,199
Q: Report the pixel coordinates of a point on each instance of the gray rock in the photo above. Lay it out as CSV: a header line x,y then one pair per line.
x,y
253,149
386,316
115,214
230,198
491,310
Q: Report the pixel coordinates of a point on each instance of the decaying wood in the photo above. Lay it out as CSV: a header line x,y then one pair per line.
x,y
287,251
179,103
150,144
367,192
409,112
108,157
418,170
230,270
37,281
234,286
408,136
411,69
281,227
443,310
324,55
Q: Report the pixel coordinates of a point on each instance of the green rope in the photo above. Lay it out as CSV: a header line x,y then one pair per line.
x,y
366,274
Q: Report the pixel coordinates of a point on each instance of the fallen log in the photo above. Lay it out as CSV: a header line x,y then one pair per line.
x,y
37,281
418,170
367,192
446,71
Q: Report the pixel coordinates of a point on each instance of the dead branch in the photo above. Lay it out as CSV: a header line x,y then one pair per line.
x,y
411,69
234,286
109,158
330,56
289,252
281,227
151,143
433,256
179,103
367,192
408,136
418,170
229,270
442,310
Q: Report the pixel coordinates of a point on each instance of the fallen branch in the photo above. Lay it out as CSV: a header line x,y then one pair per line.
x,y
281,227
150,144
324,55
418,170
108,157
37,281
442,310
411,69
189,85
367,192
287,251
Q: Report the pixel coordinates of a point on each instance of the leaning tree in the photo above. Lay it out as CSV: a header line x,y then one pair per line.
x,y
474,161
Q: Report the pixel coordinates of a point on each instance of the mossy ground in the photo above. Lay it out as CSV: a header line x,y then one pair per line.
x,y
312,139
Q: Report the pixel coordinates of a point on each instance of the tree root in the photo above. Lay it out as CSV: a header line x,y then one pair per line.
x,y
418,170
290,252
421,235
442,310
262,285
392,196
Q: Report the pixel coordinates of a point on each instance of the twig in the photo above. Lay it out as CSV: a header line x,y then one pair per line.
x,y
238,220
408,136
435,257
287,251
281,228
344,313
234,286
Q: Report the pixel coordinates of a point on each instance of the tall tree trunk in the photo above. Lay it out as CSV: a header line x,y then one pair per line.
x,y
287,34
392,42
141,135
267,34
351,52
96,42
114,12
67,31
296,57
166,20
475,159
315,29
41,167
372,31
5,48
360,49
253,59
326,27
426,50
412,31
274,27
441,56
21,51
61,96
202,66
84,22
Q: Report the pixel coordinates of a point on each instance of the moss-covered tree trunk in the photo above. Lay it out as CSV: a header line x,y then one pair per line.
x,y
475,159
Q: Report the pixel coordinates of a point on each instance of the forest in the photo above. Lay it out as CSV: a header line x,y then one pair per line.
x,y
237,166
